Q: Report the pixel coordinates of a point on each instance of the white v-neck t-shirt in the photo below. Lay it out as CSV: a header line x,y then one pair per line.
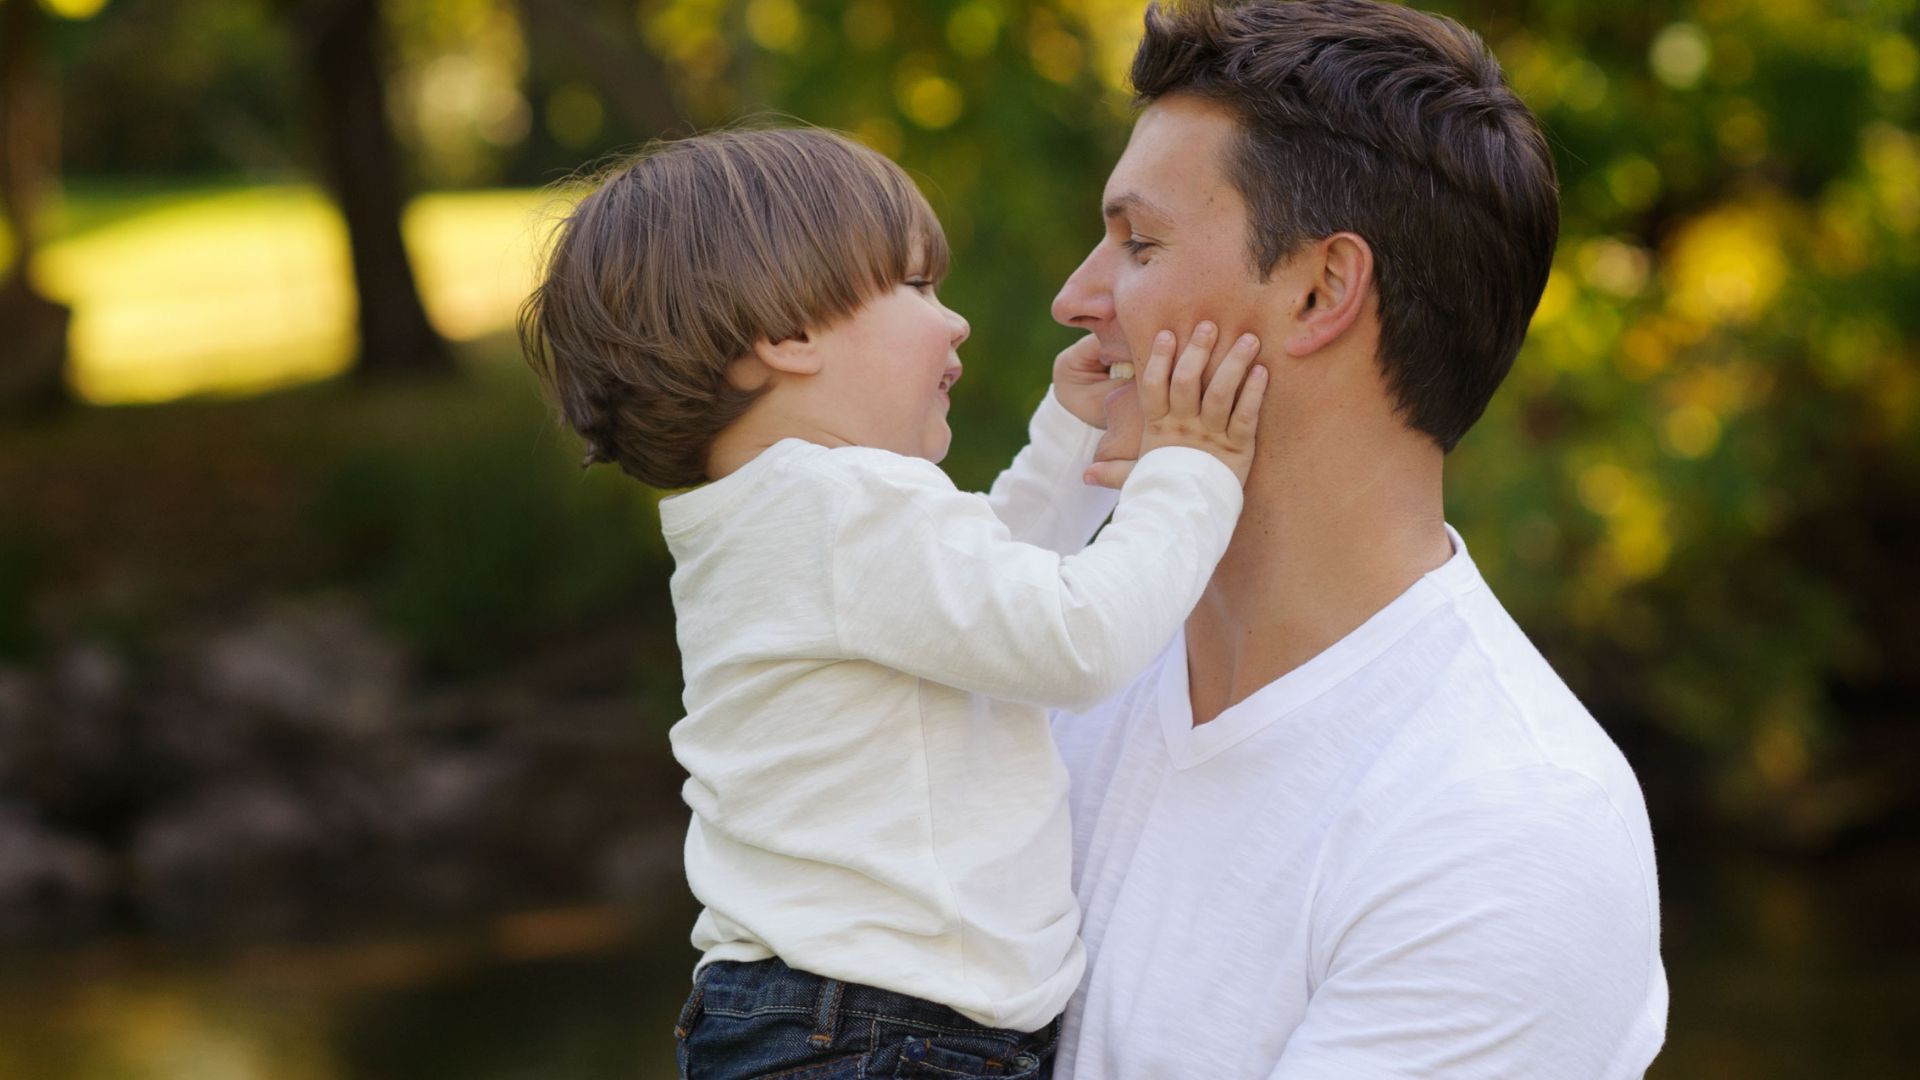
x,y
1414,855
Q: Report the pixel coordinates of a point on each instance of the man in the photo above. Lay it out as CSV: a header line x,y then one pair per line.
x,y
1350,824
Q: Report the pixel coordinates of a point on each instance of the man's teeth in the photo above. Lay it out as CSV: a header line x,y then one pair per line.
x,y
1122,370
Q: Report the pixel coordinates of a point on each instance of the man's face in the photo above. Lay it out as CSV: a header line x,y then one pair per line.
x,y
1174,252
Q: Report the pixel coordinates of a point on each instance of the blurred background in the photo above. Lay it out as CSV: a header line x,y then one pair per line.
x,y
333,696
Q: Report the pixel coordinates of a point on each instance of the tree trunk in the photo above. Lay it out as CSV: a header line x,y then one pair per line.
x,y
625,71
33,329
341,45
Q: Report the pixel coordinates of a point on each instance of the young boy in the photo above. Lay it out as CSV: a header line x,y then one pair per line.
x,y
879,831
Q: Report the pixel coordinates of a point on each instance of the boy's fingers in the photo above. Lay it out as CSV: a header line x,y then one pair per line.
x,y
1216,409
1153,381
1183,392
1246,413
1108,474
1083,357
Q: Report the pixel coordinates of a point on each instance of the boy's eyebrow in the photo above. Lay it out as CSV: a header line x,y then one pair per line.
x,y
1130,202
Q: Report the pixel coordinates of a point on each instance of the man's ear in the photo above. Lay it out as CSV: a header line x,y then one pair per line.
x,y
1337,276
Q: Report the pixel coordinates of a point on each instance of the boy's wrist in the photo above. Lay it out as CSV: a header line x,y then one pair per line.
x,y
1082,406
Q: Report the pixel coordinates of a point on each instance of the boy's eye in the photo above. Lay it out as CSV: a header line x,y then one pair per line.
x,y
923,284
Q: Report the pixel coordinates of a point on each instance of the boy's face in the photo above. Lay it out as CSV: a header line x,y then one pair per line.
x,y
890,365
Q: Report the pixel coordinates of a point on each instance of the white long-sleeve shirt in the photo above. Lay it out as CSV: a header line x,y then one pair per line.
x,y
869,653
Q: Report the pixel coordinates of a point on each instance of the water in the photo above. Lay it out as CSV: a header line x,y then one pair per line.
x,y
575,994
1778,970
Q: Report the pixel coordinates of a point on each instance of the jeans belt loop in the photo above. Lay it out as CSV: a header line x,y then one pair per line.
x,y
826,1013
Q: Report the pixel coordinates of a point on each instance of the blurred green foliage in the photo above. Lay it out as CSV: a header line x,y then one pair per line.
x,y
1698,489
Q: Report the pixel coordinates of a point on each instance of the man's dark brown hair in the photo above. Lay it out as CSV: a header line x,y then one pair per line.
x,y
1394,124
686,255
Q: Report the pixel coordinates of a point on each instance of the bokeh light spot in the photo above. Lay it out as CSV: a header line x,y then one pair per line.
x,y
1057,55
1554,299
774,24
1726,265
973,29
1633,181
1679,55
932,101
1893,63
1690,431
1613,266
73,9
1583,86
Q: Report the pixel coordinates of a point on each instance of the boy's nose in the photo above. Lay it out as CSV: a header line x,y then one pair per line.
x,y
962,329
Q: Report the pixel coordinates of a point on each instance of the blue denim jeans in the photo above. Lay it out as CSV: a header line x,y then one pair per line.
x,y
765,1019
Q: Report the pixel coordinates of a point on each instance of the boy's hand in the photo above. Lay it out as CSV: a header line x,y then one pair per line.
x,y
1081,381
1220,421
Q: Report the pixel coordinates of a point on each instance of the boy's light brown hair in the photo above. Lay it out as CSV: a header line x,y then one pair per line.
x,y
686,255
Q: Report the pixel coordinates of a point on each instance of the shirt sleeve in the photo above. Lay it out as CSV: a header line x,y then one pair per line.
x,y
927,580
1509,933
1041,497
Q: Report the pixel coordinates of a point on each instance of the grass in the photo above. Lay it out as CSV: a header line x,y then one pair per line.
x,y
233,290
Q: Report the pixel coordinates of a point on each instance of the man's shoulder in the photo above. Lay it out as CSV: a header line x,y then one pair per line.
x,y
1493,743
1476,696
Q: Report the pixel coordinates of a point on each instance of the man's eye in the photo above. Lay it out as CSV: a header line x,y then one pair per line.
x,y
1135,246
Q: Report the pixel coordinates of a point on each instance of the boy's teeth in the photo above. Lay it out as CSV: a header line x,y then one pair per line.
x,y
1121,370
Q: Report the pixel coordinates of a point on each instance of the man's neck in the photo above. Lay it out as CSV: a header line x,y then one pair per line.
x,y
1329,536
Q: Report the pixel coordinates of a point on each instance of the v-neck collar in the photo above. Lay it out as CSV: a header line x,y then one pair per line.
x,y
1188,746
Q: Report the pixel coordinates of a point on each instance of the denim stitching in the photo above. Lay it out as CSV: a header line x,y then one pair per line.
x,y
762,1010
921,1025
826,1017
690,1015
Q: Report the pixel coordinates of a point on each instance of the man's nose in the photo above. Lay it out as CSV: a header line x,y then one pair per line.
x,y
1085,299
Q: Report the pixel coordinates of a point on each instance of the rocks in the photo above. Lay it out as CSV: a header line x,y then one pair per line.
x,y
284,773
317,663
47,881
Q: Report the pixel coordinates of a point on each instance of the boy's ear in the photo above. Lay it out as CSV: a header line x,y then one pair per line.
x,y
799,355
1338,277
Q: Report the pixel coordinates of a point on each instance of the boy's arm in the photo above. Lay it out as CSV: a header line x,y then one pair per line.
x,y
927,580
930,582
1041,497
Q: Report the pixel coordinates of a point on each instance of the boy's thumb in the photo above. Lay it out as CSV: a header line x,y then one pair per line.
x,y
1108,474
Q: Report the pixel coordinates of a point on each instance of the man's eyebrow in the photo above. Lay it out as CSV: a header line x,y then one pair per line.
x,y
1121,205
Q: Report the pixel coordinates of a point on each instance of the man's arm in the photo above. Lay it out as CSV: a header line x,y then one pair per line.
x,y
1506,930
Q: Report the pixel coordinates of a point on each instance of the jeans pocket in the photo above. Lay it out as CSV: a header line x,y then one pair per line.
x,y
939,1059
689,1016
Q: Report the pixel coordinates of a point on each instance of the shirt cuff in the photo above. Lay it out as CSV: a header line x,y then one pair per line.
x,y
1053,423
1202,467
